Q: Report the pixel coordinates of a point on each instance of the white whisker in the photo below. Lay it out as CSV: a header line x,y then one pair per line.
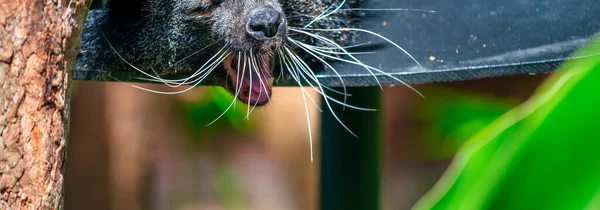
x,y
345,47
255,68
331,42
326,99
237,91
249,92
343,53
281,67
238,85
199,80
326,15
370,67
302,65
295,76
304,94
310,140
156,77
388,9
326,64
194,53
374,34
184,81
259,72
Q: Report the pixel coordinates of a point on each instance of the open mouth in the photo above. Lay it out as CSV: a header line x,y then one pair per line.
x,y
251,78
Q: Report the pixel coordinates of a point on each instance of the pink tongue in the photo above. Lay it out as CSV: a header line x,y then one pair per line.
x,y
255,86
260,88
258,81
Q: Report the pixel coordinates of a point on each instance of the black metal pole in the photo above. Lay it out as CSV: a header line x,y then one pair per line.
x,y
351,166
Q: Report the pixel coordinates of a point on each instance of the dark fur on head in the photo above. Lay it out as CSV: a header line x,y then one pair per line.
x,y
177,37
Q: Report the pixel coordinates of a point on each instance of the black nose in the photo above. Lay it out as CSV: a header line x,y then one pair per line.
x,y
264,23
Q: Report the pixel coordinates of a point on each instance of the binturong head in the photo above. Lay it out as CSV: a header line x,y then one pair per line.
x,y
252,32
233,43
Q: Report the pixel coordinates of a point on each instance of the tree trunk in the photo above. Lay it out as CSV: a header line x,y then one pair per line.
x,y
39,40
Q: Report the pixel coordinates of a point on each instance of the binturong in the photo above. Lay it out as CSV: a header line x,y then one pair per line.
x,y
242,45
238,44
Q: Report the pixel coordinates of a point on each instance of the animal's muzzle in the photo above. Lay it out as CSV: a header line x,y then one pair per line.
x,y
265,23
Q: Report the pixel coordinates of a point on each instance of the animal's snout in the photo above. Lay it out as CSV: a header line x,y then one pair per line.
x,y
265,23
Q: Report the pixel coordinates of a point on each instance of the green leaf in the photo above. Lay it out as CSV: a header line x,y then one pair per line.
x,y
543,154
234,113
229,186
214,106
451,116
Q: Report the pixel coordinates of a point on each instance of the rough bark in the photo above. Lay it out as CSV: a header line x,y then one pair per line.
x,y
39,40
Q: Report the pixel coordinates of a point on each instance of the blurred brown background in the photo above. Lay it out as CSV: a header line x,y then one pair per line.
x,y
128,149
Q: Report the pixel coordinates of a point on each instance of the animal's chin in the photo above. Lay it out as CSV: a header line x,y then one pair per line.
x,y
251,78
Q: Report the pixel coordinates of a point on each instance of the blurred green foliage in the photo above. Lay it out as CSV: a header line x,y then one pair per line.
x,y
217,101
452,116
543,154
229,186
